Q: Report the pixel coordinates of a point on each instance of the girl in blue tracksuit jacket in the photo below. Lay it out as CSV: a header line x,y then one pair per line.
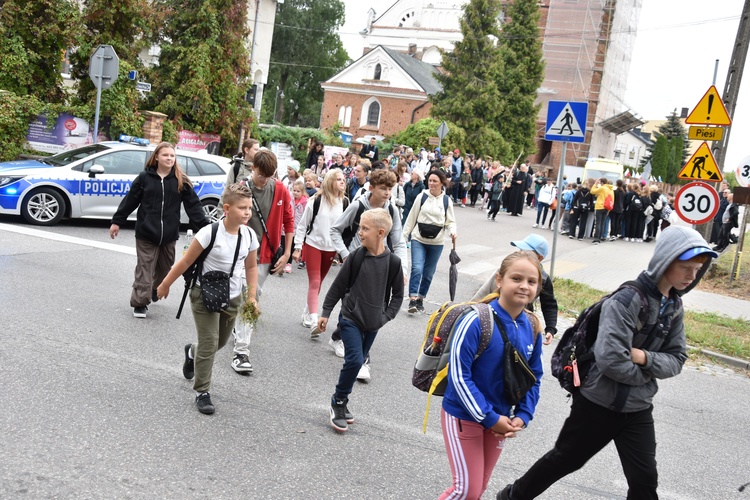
x,y
476,418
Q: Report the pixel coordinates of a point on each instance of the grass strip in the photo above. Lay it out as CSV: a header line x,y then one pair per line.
x,y
707,330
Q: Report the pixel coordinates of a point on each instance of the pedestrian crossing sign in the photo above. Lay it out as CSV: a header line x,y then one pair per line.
x,y
701,166
566,121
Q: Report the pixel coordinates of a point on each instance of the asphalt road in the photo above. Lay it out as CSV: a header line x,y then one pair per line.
x,y
95,405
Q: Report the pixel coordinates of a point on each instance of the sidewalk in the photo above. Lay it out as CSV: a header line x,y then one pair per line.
x,y
607,265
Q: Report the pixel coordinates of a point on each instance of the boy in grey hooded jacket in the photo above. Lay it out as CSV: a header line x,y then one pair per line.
x,y
615,399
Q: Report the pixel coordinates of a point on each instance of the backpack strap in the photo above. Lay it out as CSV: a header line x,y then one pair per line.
x,y
198,266
358,257
316,209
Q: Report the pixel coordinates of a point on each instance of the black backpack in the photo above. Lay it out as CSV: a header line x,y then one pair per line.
x,y
316,209
574,354
348,234
636,204
358,257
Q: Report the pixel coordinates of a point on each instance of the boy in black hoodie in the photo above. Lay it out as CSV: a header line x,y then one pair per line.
x,y
367,303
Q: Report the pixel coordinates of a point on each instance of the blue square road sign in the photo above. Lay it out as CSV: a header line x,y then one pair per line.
x,y
566,121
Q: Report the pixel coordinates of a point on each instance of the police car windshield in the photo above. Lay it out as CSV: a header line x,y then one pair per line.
x,y
66,157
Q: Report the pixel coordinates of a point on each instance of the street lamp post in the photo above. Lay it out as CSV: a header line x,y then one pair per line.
x,y
292,107
275,101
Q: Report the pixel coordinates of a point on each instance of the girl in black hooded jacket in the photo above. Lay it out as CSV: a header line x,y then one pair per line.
x,y
157,193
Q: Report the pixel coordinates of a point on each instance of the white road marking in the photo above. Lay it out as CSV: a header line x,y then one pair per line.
x,y
67,239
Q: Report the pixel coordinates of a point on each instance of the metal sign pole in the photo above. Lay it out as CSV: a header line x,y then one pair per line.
x,y
738,252
98,97
559,210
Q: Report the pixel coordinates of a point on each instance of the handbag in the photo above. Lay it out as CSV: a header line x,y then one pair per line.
x,y
553,205
215,284
279,253
609,203
517,375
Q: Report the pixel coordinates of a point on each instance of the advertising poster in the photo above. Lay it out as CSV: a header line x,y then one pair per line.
x,y
191,141
69,132
283,152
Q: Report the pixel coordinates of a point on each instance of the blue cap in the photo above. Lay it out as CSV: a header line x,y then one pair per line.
x,y
533,242
693,252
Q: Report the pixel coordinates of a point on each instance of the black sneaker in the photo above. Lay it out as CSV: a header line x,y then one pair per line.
x,y
140,312
504,494
420,306
188,367
204,404
154,297
348,415
412,306
337,414
241,364
301,265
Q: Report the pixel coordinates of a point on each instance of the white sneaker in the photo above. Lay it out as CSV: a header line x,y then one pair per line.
x,y
626,239
534,225
337,346
314,330
364,373
307,321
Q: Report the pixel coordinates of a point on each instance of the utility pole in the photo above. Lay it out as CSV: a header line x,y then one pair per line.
x,y
731,92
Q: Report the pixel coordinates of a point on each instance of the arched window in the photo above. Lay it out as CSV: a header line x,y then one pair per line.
x,y
378,70
348,116
373,114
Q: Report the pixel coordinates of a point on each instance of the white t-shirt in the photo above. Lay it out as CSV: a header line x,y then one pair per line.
x,y
222,253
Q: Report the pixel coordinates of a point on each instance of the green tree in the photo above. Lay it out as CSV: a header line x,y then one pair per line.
x,y
34,35
204,67
471,97
129,26
523,74
417,135
16,112
669,151
306,50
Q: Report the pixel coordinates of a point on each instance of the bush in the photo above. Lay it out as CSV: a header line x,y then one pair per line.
x,y
417,135
298,138
16,112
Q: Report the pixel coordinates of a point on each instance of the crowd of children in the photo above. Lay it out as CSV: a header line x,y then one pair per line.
x,y
354,208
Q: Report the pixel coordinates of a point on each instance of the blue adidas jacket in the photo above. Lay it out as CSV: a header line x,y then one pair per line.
x,y
475,386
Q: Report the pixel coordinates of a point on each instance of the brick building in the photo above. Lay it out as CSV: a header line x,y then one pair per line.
x,y
587,45
381,93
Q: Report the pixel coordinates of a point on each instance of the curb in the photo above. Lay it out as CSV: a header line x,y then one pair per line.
x,y
729,360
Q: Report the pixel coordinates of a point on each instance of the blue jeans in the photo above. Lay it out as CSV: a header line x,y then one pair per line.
x,y
424,259
541,210
357,345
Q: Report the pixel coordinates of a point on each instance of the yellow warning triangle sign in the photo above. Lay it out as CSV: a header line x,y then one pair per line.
x,y
710,110
701,166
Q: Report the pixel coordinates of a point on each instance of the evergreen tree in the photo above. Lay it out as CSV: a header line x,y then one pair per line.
x,y
34,35
669,152
471,97
204,67
521,49
306,50
129,26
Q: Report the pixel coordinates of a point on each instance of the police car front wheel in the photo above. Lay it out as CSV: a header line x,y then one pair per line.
x,y
43,207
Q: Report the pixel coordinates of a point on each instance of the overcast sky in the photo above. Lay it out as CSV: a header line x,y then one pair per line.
x,y
676,48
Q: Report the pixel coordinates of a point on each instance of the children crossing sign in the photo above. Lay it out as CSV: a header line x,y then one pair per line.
x,y
566,121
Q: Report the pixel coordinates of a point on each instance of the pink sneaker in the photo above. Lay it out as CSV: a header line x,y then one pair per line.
x,y
288,268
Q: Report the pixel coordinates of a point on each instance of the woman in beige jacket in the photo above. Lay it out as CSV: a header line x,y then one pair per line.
x,y
430,219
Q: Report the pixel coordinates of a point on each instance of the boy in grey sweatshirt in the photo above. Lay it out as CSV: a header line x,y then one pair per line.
x,y
615,401
367,303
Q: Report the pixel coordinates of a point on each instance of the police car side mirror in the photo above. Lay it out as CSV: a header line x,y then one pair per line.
x,y
94,170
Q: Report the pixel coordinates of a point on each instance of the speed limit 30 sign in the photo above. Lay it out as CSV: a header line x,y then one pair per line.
x,y
696,203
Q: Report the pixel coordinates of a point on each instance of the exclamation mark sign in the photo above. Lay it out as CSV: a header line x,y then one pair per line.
x,y
710,104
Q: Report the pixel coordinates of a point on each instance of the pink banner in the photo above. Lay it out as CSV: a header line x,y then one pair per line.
x,y
190,141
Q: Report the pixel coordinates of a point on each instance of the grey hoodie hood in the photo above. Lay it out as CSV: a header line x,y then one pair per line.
x,y
672,243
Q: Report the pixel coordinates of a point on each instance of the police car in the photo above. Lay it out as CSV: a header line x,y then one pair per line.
x,y
91,181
